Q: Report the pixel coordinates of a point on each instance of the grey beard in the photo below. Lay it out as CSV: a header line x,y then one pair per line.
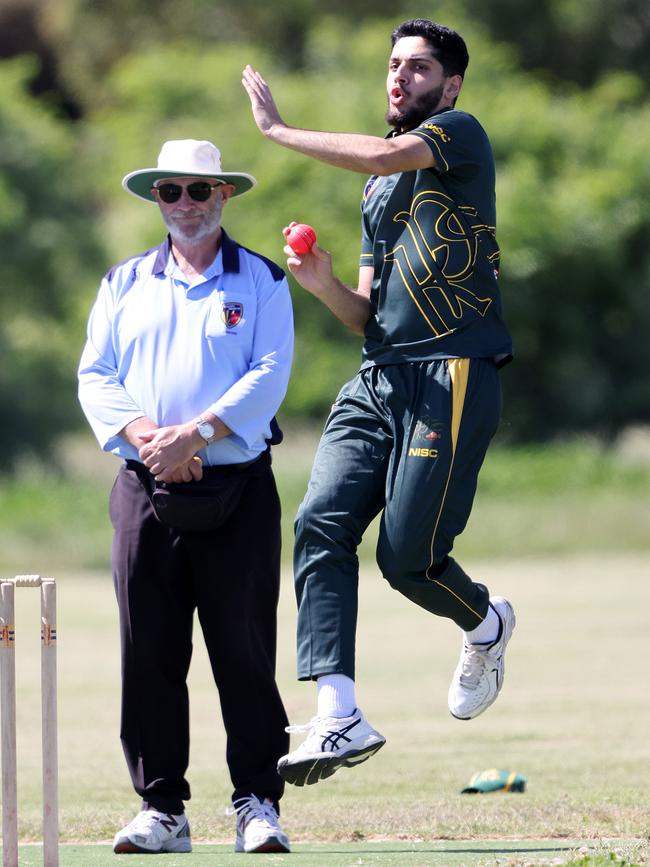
x,y
210,222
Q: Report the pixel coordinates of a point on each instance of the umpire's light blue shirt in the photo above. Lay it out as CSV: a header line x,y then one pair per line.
x,y
162,347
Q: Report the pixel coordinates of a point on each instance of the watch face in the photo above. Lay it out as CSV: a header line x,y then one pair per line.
x,y
206,430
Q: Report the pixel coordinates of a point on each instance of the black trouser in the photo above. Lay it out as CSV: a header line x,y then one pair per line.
x,y
231,576
407,440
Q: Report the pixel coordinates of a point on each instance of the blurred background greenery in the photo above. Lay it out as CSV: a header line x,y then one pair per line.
x,y
90,90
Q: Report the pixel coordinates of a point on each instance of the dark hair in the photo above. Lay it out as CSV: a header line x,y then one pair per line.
x,y
449,47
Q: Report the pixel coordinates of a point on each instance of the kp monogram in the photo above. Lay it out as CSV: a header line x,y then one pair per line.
x,y
437,267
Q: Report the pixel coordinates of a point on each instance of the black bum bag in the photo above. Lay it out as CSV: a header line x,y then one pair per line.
x,y
198,507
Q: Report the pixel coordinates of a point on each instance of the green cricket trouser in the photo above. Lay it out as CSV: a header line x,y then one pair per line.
x,y
409,439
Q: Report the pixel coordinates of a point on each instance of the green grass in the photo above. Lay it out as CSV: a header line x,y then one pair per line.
x,y
395,854
563,498
562,531
572,717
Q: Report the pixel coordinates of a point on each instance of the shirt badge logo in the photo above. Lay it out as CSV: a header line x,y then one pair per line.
x,y
438,130
427,430
367,190
231,313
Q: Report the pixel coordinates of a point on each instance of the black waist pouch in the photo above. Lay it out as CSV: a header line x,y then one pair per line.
x,y
198,507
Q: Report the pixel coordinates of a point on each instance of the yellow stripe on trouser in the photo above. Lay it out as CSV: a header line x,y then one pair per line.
x,y
459,375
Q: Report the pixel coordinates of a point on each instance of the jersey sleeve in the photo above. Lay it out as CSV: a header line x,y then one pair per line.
x,y
104,399
457,142
366,256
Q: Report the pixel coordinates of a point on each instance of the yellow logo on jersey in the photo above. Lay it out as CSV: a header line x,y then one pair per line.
x,y
422,453
439,244
438,131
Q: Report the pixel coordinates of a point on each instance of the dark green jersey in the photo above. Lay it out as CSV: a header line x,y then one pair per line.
x,y
430,236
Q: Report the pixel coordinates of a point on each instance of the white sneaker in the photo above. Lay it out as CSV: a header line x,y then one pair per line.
x,y
331,744
153,832
258,826
479,674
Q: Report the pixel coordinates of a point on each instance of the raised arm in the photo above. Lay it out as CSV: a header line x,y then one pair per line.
x,y
368,154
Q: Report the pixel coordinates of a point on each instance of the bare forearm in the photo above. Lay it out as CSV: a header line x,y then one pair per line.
x,y
132,431
348,305
313,271
358,153
170,452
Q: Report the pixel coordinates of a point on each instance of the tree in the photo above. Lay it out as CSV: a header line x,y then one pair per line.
x,y
573,202
48,252
572,40
574,205
573,195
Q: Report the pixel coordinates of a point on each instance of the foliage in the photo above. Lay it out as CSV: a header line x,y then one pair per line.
x,y
574,215
149,103
48,249
573,186
563,40
116,28
572,40
573,190
575,498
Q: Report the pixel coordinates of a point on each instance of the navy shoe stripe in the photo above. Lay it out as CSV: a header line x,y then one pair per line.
x,y
334,737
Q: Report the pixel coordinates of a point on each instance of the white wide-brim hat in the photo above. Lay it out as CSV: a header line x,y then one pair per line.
x,y
185,158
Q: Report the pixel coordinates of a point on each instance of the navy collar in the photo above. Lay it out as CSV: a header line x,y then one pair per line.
x,y
229,252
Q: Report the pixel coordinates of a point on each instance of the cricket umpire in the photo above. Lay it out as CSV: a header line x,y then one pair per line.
x,y
186,362
407,436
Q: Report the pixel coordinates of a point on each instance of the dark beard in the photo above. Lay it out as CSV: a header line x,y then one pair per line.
x,y
423,108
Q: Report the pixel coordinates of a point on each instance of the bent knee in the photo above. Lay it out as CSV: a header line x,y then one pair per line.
x,y
400,568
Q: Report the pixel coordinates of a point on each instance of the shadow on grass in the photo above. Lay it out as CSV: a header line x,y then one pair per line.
x,y
394,853
512,848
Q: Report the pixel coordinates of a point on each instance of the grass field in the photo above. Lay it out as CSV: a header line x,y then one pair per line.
x,y
573,717
384,854
564,499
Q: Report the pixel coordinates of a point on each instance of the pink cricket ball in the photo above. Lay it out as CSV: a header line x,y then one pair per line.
x,y
301,238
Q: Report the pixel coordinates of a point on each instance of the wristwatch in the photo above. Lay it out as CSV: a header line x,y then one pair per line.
x,y
206,430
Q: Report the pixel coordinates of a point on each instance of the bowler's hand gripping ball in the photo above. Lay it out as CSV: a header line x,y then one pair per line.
x,y
301,238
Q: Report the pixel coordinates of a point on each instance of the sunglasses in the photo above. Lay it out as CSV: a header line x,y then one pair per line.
x,y
200,191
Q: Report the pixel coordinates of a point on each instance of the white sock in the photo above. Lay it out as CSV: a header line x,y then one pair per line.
x,y
487,631
336,695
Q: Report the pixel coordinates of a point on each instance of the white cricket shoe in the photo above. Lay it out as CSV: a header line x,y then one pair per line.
x,y
479,674
152,832
258,826
330,744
